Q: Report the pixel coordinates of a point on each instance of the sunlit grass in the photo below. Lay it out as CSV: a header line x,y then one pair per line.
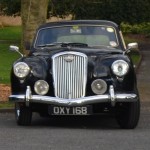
x,y
7,57
6,60
10,33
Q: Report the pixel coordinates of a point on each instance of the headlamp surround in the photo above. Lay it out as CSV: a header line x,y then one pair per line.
x,y
41,87
120,68
21,69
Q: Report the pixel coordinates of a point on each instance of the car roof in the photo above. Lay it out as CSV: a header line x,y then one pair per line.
x,y
77,22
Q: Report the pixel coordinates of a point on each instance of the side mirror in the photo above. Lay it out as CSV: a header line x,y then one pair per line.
x,y
132,46
15,49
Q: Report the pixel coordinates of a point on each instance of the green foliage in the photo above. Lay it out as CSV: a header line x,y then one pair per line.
x,y
143,28
132,11
10,7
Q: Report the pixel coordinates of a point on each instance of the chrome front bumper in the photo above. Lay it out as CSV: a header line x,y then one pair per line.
x,y
110,98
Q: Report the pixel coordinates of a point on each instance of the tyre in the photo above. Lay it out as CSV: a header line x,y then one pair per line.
x,y
127,114
23,114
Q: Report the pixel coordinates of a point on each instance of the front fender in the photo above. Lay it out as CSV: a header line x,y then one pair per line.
x,y
39,69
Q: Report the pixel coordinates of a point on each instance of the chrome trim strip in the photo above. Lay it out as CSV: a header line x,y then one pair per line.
x,y
124,45
74,102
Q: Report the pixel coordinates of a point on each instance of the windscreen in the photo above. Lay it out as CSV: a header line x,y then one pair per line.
x,y
91,35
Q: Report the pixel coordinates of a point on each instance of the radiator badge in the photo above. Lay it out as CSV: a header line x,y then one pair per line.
x,y
68,58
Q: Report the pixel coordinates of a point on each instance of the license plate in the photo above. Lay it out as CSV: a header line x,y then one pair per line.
x,y
58,110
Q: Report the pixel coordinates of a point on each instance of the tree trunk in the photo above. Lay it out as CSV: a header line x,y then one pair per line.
x,y
33,14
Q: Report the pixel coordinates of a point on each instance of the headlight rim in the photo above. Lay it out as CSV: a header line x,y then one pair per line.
x,y
35,88
21,76
120,61
100,91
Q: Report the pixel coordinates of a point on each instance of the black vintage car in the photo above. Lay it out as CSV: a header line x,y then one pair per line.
x,y
76,68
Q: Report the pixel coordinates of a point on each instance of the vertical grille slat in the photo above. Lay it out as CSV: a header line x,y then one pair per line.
x,y
69,74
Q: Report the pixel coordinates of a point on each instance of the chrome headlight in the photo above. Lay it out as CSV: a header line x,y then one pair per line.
x,y
21,69
41,87
99,86
120,68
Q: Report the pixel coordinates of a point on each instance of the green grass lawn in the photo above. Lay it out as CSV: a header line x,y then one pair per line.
x,y
7,57
6,60
10,33
6,105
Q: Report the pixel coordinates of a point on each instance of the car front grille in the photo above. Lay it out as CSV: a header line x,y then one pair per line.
x,y
69,74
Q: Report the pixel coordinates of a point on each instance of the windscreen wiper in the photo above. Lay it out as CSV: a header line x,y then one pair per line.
x,y
64,44
49,45
76,44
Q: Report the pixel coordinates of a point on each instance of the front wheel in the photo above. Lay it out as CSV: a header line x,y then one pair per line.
x,y
127,114
23,114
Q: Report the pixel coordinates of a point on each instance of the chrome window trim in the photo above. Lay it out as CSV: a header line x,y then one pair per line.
x,y
122,39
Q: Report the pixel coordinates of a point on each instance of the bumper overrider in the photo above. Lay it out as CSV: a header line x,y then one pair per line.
x,y
112,98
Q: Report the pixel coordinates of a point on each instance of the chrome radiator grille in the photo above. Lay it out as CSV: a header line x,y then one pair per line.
x,y
69,74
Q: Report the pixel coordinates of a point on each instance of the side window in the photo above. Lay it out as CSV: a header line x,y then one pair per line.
x,y
46,36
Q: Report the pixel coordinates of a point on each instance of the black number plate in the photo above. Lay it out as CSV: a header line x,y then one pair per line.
x,y
58,110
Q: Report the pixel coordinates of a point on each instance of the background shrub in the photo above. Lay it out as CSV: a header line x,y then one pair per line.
x,y
142,28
